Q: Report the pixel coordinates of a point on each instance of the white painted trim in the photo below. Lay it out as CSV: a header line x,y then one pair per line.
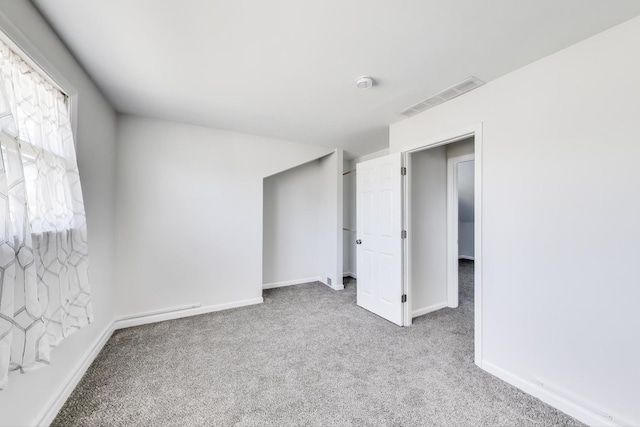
x,y
350,274
475,132
292,282
161,311
452,227
443,139
406,251
429,309
143,318
562,400
67,386
478,251
470,258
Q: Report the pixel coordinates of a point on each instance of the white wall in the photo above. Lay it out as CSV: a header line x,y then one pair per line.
x,y
298,228
189,213
290,229
331,220
29,395
371,156
428,230
560,188
460,148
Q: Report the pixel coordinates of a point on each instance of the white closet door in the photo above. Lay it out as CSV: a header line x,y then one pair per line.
x,y
379,226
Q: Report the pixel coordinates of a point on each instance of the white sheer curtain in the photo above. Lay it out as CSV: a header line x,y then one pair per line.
x,y
44,286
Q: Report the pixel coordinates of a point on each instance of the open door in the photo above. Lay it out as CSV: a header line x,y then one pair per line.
x,y
379,239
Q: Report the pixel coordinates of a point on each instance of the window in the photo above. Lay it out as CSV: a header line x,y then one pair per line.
x,y
44,288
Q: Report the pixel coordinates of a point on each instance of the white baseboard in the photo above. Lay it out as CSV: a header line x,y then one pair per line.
x,y
562,400
337,287
349,274
145,318
470,258
429,309
158,312
291,282
60,397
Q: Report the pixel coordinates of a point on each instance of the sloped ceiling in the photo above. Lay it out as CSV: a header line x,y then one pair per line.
x,y
287,68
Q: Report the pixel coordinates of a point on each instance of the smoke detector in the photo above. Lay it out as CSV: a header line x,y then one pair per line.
x,y
364,82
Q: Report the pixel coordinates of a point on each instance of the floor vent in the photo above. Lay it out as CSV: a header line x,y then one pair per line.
x,y
447,94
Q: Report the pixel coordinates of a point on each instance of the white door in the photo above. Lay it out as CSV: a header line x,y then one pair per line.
x,y
379,240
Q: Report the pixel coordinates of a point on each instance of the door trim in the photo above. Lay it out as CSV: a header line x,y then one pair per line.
x,y
472,131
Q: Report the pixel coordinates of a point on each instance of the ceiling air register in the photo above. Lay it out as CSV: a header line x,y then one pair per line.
x,y
464,86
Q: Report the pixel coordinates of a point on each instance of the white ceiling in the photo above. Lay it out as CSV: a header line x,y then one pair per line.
x,y
287,68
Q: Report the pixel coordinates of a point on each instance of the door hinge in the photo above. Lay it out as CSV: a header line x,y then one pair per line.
x,y
404,234
404,298
403,171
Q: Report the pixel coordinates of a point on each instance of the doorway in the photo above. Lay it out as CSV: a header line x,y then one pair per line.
x,y
460,228
460,223
394,227
441,197
442,262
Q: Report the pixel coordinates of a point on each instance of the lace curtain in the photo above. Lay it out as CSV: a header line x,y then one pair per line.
x,y
44,286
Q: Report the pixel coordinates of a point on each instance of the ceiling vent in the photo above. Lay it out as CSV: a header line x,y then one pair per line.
x,y
447,94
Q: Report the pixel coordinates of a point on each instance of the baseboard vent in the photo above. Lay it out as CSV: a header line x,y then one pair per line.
x,y
447,94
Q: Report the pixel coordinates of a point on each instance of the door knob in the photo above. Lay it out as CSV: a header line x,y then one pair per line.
x,y
358,242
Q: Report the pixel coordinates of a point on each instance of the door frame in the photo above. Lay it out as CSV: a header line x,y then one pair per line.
x,y
474,131
453,247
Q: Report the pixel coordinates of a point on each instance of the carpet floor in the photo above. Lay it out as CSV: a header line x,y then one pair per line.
x,y
307,356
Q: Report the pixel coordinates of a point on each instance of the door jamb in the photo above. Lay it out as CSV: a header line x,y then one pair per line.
x,y
453,247
472,131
